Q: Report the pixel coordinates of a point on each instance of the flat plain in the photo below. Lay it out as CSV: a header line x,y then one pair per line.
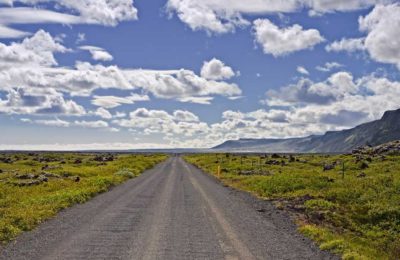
x,y
35,186
348,204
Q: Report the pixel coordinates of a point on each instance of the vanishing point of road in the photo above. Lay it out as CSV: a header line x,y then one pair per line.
x,y
173,211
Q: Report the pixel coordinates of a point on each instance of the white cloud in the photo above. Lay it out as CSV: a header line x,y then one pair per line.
x,y
25,101
91,124
197,100
57,123
307,92
198,15
120,115
113,101
36,50
104,12
6,32
340,100
97,53
328,66
103,113
328,6
349,45
302,70
30,67
185,116
382,25
83,146
282,41
216,70
180,124
80,38
215,16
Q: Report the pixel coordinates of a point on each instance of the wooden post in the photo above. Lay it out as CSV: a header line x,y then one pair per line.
x,y
219,171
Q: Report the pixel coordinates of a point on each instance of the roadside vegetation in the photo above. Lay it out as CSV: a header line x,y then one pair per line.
x,y
348,204
35,186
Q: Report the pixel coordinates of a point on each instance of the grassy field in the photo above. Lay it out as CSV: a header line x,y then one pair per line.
x,y
35,186
351,208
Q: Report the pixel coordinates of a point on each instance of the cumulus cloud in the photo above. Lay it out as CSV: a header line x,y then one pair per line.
x,y
98,54
103,113
349,45
22,101
282,41
36,50
309,108
103,12
56,122
382,25
180,123
197,100
86,78
216,70
113,101
33,83
306,91
215,16
302,70
91,124
327,6
340,100
328,66
200,16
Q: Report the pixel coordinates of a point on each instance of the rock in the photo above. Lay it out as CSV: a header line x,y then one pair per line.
x,y
25,176
363,165
275,156
248,172
1,171
43,178
272,162
66,174
328,167
383,149
101,158
50,175
78,161
27,183
361,175
6,160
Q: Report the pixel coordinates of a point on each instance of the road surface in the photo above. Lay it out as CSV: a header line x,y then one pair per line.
x,y
173,211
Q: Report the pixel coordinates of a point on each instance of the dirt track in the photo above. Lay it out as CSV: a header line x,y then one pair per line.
x,y
173,211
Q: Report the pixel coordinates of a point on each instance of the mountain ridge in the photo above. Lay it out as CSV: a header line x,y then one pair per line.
x,y
372,133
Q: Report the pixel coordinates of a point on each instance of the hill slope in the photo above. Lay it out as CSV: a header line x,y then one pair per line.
x,y
373,133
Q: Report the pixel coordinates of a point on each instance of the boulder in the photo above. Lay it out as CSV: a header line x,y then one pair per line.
x,y
328,167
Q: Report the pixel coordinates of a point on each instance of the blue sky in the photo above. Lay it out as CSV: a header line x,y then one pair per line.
x,y
178,73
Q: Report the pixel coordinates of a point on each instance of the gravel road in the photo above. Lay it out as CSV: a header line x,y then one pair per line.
x,y
173,211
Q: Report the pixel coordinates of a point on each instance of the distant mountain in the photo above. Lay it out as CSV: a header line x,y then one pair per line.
x,y
373,133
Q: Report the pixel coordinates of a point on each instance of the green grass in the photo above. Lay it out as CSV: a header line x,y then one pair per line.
x,y
24,207
356,216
